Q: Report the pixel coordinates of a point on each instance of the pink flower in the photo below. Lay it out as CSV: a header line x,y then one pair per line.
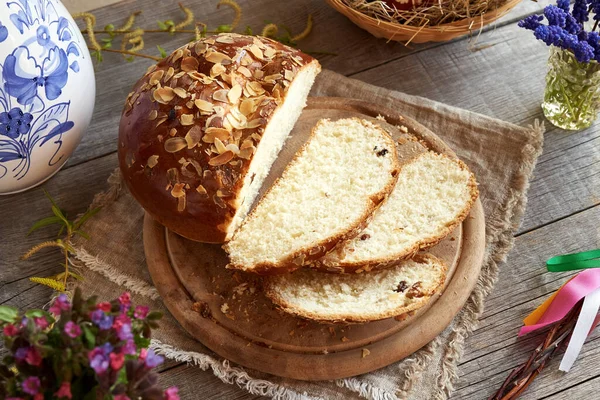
x,y
61,303
143,354
121,397
31,385
116,361
33,357
38,396
104,306
172,393
129,347
141,312
72,329
125,300
10,330
64,390
41,322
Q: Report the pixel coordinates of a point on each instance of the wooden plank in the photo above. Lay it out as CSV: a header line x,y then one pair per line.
x,y
355,50
494,349
506,81
76,6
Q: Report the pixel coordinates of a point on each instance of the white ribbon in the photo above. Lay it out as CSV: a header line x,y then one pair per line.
x,y
589,310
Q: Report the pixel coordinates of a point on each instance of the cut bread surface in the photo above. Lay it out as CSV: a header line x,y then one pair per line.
x,y
275,134
364,297
434,194
325,195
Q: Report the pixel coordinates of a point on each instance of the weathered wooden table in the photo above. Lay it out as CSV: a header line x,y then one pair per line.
x,y
500,75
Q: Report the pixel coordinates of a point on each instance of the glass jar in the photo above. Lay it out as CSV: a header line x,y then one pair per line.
x,y
571,99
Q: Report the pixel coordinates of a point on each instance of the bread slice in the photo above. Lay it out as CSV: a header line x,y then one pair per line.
x,y
325,195
370,296
433,195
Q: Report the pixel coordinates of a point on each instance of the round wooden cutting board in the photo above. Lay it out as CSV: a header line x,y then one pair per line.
x,y
227,311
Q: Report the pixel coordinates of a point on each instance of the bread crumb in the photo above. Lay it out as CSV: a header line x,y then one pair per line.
x,y
344,339
325,351
224,308
403,129
365,352
380,117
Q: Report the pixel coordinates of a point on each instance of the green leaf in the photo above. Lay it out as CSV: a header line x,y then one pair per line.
x,y
224,28
154,316
141,342
36,313
89,337
129,59
162,51
58,212
76,276
109,28
162,25
8,314
89,214
82,234
248,31
44,222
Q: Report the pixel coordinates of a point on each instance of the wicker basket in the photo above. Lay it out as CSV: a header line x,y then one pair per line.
x,y
420,34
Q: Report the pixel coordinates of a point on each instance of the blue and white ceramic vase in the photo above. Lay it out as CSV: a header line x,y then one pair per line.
x,y
47,91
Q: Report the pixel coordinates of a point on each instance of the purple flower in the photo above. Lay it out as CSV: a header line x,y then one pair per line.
x,y
563,4
583,52
572,26
107,348
125,301
152,359
555,16
129,347
141,312
125,332
595,6
103,321
31,385
15,122
580,11
60,303
99,360
72,329
531,22
21,353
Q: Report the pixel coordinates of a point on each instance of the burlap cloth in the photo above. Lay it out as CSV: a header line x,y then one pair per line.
x,y
502,155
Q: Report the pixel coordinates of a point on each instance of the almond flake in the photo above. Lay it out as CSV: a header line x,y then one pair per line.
x,y
217,70
181,92
221,159
173,145
151,68
213,133
177,55
172,132
245,71
186,119
160,121
203,105
234,94
224,39
200,189
153,114
220,146
258,73
233,147
255,123
193,136
189,64
163,95
156,77
178,190
247,143
169,74
247,152
269,52
181,203
272,78
247,106
289,75
257,52
365,352
200,48
196,166
216,57
256,87
180,74
220,95
152,161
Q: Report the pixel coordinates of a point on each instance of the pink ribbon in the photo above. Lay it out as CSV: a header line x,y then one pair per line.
x,y
576,289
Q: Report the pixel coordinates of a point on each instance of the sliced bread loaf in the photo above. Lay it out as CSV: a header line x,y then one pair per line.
x,y
325,195
358,298
434,194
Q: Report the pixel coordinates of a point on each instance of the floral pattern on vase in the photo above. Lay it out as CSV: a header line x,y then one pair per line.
x,y
43,72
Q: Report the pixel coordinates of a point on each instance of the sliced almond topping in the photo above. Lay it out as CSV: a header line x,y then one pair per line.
x,y
178,190
181,203
217,70
233,147
219,110
224,39
219,201
256,87
152,161
181,92
196,166
258,73
221,159
156,77
247,106
247,152
153,114
151,68
255,123
247,143
169,74
203,105
234,94
269,52
245,71
221,95
186,119
256,137
202,190
193,136
177,55
163,95
289,75
220,146
173,145
172,132
160,121
200,48
189,64
216,57
213,133
256,52
189,104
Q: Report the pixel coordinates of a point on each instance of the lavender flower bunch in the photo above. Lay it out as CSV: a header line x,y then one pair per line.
x,y
566,29
80,350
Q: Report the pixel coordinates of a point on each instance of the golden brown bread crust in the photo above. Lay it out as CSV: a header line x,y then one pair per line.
x,y
191,125
387,262
306,256
271,293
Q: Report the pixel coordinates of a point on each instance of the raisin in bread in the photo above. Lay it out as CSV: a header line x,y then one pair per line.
x,y
325,195
434,194
364,297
